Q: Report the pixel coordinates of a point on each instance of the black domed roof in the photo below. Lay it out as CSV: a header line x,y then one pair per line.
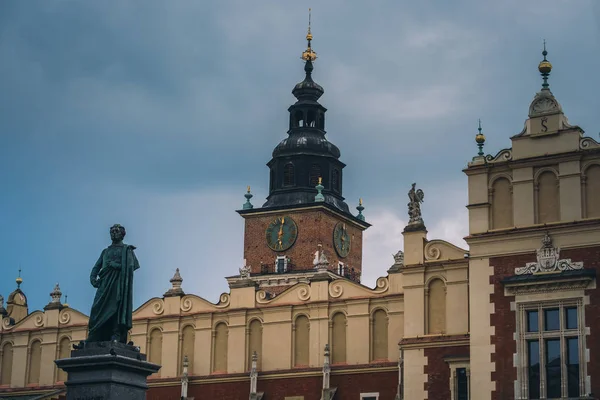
x,y
306,142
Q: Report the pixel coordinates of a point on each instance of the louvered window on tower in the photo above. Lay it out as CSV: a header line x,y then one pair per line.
x,y
315,173
288,175
335,180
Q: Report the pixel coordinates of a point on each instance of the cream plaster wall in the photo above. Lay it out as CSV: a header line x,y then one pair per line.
x,y
481,348
171,314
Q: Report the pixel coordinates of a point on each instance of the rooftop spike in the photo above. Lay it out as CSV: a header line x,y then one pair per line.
x,y
309,55
545,67
480,139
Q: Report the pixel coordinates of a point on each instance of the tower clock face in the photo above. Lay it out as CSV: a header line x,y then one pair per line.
x,y
281,233
341,239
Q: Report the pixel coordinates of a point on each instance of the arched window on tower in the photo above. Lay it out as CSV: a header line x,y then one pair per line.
x,y
547,193
502,204
7,363
335,180
35,361
301,332
315,174
288,175
592,191
155,346
321,120
220,338
436,307
338,338
379,336
64,351
188,337
254,342
271,179
311,119
298,119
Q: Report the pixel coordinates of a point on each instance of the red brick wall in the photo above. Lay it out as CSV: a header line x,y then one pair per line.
x,y
504,320
314,227
591,259
438,370
349,386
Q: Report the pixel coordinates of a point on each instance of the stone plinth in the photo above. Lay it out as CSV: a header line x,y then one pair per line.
x,y
107,371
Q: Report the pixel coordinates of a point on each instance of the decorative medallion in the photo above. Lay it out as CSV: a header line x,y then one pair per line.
x,y
341,239
548,261
281,233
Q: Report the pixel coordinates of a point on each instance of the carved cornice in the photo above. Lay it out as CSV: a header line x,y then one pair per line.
x,y
530,287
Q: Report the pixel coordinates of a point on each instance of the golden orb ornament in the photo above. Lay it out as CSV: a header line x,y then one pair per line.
x,y
480,138
545,67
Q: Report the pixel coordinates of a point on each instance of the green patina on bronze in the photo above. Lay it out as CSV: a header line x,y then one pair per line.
x,y
112,276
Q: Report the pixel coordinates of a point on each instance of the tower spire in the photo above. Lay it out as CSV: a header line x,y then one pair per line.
x,y
545,67
309,54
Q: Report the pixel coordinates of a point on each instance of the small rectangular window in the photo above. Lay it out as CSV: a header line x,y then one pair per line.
x,y
369,396
462,384
571,317
280,265
551,319
532,321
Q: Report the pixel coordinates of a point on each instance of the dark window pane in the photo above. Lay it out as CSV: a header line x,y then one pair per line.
x,y
533,354
532,321
288,175
573,367
553,368
462,384
571,317
315,174
280,265
552,320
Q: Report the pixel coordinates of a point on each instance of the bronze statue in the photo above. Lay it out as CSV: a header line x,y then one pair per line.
x,y
112,276
414,206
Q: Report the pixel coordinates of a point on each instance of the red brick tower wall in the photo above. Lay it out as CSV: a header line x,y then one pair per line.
x,y
314,227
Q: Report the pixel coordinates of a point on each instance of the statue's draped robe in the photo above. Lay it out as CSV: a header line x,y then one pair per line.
x,y
113,304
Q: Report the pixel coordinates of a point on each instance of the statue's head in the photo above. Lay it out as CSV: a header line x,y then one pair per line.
x,y
117,233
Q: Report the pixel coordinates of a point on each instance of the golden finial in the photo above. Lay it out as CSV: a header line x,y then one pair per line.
x,y
248,188
360,201
19,280
309,54
320,180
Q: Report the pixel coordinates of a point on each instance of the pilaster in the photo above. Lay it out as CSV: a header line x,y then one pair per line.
x,y
570,190
523,197
277,332
414,243
203,345
358,328
236,344
170,344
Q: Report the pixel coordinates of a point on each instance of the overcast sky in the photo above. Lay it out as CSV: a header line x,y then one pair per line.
x,y
157,114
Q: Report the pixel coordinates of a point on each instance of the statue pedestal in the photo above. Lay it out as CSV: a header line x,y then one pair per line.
x,y
107,371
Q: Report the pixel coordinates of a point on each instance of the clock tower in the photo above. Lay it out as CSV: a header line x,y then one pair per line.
x,y
305,211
